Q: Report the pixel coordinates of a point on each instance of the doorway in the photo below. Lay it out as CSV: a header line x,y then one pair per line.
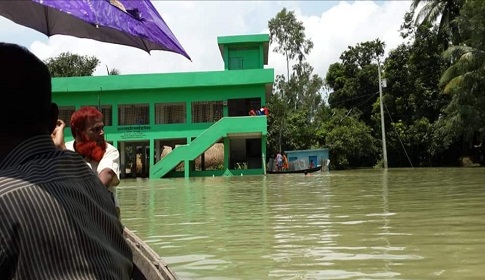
x,y
135,159
312,161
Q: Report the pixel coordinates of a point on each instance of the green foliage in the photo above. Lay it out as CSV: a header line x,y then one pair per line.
x,y
293,107
413,100
71,65
409,144
445,11
464,117
349,141
297,97
354,81
305,87
278,106
301,132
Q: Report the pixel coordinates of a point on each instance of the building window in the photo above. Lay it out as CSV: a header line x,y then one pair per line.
x,y
166,113
65,113
206,111
107,111
133,114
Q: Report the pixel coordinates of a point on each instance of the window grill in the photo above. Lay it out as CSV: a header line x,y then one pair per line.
x,y
135,114
206,111
65,113
166,113
107,111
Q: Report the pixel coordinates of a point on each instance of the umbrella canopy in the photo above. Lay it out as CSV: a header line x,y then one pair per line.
x,y
124,22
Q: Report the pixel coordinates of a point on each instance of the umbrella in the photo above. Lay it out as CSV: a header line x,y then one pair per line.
x,y
124,22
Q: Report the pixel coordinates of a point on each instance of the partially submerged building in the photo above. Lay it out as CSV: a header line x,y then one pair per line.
x,y
147,115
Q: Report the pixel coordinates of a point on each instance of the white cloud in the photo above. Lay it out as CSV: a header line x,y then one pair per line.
x,y
332,26
348,24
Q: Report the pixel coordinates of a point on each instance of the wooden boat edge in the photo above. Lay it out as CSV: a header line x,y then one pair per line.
x,y
148,263
308,170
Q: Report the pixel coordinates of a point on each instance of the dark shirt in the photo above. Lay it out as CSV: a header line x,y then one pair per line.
x,y
57,220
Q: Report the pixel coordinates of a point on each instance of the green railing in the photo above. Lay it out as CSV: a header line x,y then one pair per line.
x,y
224,127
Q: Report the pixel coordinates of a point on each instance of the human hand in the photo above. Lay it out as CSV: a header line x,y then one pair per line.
x,y
58,134
60,124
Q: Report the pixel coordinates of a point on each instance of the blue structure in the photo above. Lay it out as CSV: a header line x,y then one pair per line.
x,y
301,159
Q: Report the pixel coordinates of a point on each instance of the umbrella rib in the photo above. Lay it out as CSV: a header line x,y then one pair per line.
x,y
146,47
46,13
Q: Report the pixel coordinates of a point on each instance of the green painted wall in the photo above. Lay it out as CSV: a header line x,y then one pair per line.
x,y
245,59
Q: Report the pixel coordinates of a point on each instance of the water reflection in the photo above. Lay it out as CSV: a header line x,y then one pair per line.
x,y
367,224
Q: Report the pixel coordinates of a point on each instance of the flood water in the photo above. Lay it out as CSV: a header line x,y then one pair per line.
x,y
360,224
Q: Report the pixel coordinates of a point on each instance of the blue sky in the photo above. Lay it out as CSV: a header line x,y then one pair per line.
x,y
331,25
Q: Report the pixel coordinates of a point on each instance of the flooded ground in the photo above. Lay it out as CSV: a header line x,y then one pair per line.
x,y
361,224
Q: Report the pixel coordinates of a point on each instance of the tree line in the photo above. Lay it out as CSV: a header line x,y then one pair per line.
x,y
434,102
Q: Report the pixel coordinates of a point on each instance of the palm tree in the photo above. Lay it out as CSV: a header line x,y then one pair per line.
x,y
464,116
465,113
468,59
444,10
468,67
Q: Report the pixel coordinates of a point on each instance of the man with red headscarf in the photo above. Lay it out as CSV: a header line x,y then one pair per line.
x,y
87,128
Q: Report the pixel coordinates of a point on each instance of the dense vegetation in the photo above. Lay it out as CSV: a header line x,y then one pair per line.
x,y
434,102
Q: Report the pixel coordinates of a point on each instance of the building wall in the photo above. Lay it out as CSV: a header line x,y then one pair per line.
x,y
302,158
244,58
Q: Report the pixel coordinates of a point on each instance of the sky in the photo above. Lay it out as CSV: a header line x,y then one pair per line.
x,y
333,26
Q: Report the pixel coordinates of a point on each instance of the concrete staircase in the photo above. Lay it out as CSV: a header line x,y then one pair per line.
x,y
227,126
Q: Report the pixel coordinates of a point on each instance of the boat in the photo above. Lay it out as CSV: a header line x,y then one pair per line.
x,y
307,170
147,265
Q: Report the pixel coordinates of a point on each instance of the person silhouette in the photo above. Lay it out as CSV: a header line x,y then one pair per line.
x,y
57,220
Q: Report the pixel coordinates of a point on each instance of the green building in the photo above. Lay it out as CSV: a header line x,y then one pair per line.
x,y
188,114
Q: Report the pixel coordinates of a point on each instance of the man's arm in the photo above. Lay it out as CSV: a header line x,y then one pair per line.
x,y
109,168
106,176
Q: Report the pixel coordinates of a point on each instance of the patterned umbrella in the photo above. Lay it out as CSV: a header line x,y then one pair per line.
x,y
125,22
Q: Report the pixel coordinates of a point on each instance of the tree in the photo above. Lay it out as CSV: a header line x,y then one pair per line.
x,y
348,139
354,81
289,35
71,65
412,97
277,105
300,122
304,88
464,117
468,59
446,11
289,92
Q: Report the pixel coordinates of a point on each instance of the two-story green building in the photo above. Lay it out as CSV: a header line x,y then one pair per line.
x,y
187,113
